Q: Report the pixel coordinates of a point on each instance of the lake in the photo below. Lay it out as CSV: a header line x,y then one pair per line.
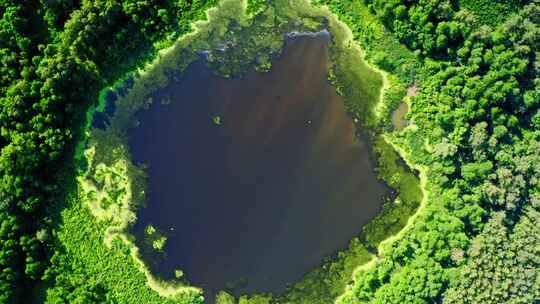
x,y
254,180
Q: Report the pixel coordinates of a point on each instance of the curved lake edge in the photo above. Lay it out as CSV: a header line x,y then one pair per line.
x,y
179,254
126,238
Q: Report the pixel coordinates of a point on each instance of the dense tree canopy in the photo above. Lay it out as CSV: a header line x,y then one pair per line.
x,y
477,118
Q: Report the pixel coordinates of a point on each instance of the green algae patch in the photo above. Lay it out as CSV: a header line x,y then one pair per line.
x,y
385,246
237,36
157,241
108,195
217,120
398,175
326,283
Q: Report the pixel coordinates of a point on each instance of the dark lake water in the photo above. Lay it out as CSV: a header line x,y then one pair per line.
x,y
260,196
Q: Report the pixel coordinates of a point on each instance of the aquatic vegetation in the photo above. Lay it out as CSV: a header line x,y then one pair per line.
x,y
159,244
157,240
217,120
150,230
178,273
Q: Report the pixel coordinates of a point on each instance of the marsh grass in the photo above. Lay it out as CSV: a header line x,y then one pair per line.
x,y
395,214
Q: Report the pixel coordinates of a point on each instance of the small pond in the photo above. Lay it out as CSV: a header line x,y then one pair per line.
x,y
253,180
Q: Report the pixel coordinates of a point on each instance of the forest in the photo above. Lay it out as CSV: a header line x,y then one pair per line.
x,y
473,133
